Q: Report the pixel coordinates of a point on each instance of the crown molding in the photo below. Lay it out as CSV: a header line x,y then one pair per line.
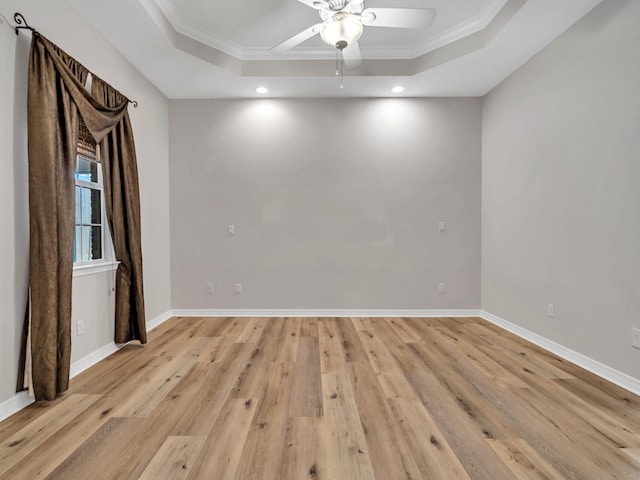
x,y
211,39
208,38
294,65
464,29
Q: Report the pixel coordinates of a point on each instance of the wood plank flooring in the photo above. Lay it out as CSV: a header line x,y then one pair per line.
x,y
328,398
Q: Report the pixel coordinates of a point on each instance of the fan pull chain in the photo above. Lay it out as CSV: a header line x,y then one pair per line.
x,y
339,65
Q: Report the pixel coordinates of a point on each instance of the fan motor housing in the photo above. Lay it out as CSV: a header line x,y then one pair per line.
x,y
336,6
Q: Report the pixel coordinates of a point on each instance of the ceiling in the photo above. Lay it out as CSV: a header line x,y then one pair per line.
x,y
220,49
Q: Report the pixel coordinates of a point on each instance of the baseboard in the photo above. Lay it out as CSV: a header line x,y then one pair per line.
x,y
22,399
614,376
15,404
159,320
90,360
320,313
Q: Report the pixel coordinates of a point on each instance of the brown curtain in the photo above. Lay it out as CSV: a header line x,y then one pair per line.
x,y
56,98
120,174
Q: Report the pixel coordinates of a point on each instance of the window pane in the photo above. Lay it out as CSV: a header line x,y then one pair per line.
x,y
78,205
90,205
77,245
96,243
82,241
88,243
86,170
96,211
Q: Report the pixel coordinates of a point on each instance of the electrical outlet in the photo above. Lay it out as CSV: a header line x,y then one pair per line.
x,y
551,310
209,287
635,337
238,288
231,229
441,288
79,328
442,226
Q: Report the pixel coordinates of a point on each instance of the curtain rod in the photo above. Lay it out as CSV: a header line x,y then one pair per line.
x,y
21,23
19,19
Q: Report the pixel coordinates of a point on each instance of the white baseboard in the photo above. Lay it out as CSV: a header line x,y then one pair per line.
x,y
159,320
614,376
22,399
90,360
321,313
15,404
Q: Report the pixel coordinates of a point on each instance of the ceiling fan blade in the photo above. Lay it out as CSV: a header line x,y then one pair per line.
x,y
296,39
352,57
398,17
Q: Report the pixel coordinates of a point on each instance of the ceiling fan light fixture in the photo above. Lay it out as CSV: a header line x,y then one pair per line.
x,y
397,89
262,90
341,30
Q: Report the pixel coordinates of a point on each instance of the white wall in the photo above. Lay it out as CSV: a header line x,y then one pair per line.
x,y
93,304
14,238
57,21
560,194
335,203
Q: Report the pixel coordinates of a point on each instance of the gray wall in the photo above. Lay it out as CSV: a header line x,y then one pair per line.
x,y
560,194
92,302
335,203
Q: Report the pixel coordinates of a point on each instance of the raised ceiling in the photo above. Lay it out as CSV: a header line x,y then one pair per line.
x,y
220,49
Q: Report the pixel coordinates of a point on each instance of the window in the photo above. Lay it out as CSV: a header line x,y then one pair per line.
x,y
88,223
88,241
92,248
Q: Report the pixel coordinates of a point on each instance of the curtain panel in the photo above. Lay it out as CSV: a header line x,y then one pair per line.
x,y
120,176
56,98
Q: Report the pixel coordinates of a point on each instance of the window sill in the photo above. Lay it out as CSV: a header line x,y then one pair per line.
x,y
82,269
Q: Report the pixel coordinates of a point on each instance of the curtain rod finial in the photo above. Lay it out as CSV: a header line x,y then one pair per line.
x,y
21,22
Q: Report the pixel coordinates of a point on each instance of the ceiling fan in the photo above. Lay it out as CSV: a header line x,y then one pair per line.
x,y
343,21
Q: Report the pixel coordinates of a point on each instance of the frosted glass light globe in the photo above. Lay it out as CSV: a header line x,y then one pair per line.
x,y
341,30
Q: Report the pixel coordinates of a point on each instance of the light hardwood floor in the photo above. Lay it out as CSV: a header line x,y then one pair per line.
x,y
329,398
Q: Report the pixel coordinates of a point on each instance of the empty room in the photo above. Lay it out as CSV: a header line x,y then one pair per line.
x,y
332,239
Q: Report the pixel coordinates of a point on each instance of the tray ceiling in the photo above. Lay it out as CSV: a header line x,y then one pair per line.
x,y
220,49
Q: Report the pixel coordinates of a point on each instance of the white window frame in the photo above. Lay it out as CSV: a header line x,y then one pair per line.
x,y
107,263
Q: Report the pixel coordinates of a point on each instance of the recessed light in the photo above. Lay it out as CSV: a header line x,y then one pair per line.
x,y
262,90
397,89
